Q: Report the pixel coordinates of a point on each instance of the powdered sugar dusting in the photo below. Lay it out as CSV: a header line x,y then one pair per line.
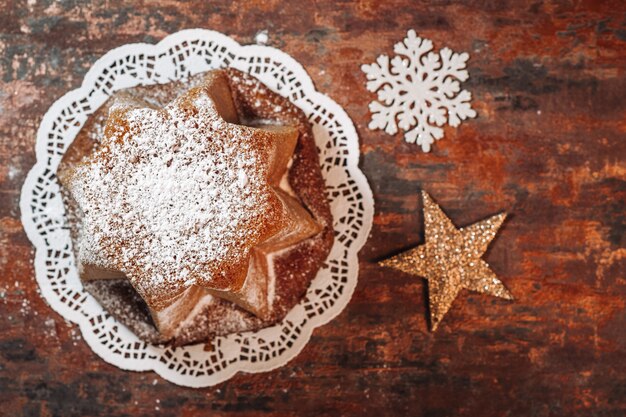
x,y
173,195
213,316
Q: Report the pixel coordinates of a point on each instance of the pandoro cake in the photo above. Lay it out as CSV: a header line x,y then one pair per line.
x,y
196,208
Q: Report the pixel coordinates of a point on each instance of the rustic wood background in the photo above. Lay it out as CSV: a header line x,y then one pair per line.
x,y
548,146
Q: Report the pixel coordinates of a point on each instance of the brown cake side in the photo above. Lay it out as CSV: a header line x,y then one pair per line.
x,y
295,268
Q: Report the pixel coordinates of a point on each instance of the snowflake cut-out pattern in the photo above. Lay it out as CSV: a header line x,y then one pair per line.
x,y
418,91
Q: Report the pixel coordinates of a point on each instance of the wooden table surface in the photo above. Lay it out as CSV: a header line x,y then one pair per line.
x,y
548,146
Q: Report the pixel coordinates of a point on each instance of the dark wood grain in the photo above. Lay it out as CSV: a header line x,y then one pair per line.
x,y
549,146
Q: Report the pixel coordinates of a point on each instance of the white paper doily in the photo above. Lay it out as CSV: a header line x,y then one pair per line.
x,y
178,56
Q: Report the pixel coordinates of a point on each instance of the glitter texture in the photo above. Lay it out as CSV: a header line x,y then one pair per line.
x,y
451,259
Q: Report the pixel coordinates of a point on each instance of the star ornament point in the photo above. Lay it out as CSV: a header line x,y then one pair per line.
x,y
450,259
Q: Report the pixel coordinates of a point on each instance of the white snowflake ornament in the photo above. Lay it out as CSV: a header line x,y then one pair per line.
x,y
418,91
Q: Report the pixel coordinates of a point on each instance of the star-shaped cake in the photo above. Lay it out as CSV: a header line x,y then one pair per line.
x,y
184,201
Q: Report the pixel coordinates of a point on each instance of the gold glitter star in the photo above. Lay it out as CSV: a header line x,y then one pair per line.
x,y
451,259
